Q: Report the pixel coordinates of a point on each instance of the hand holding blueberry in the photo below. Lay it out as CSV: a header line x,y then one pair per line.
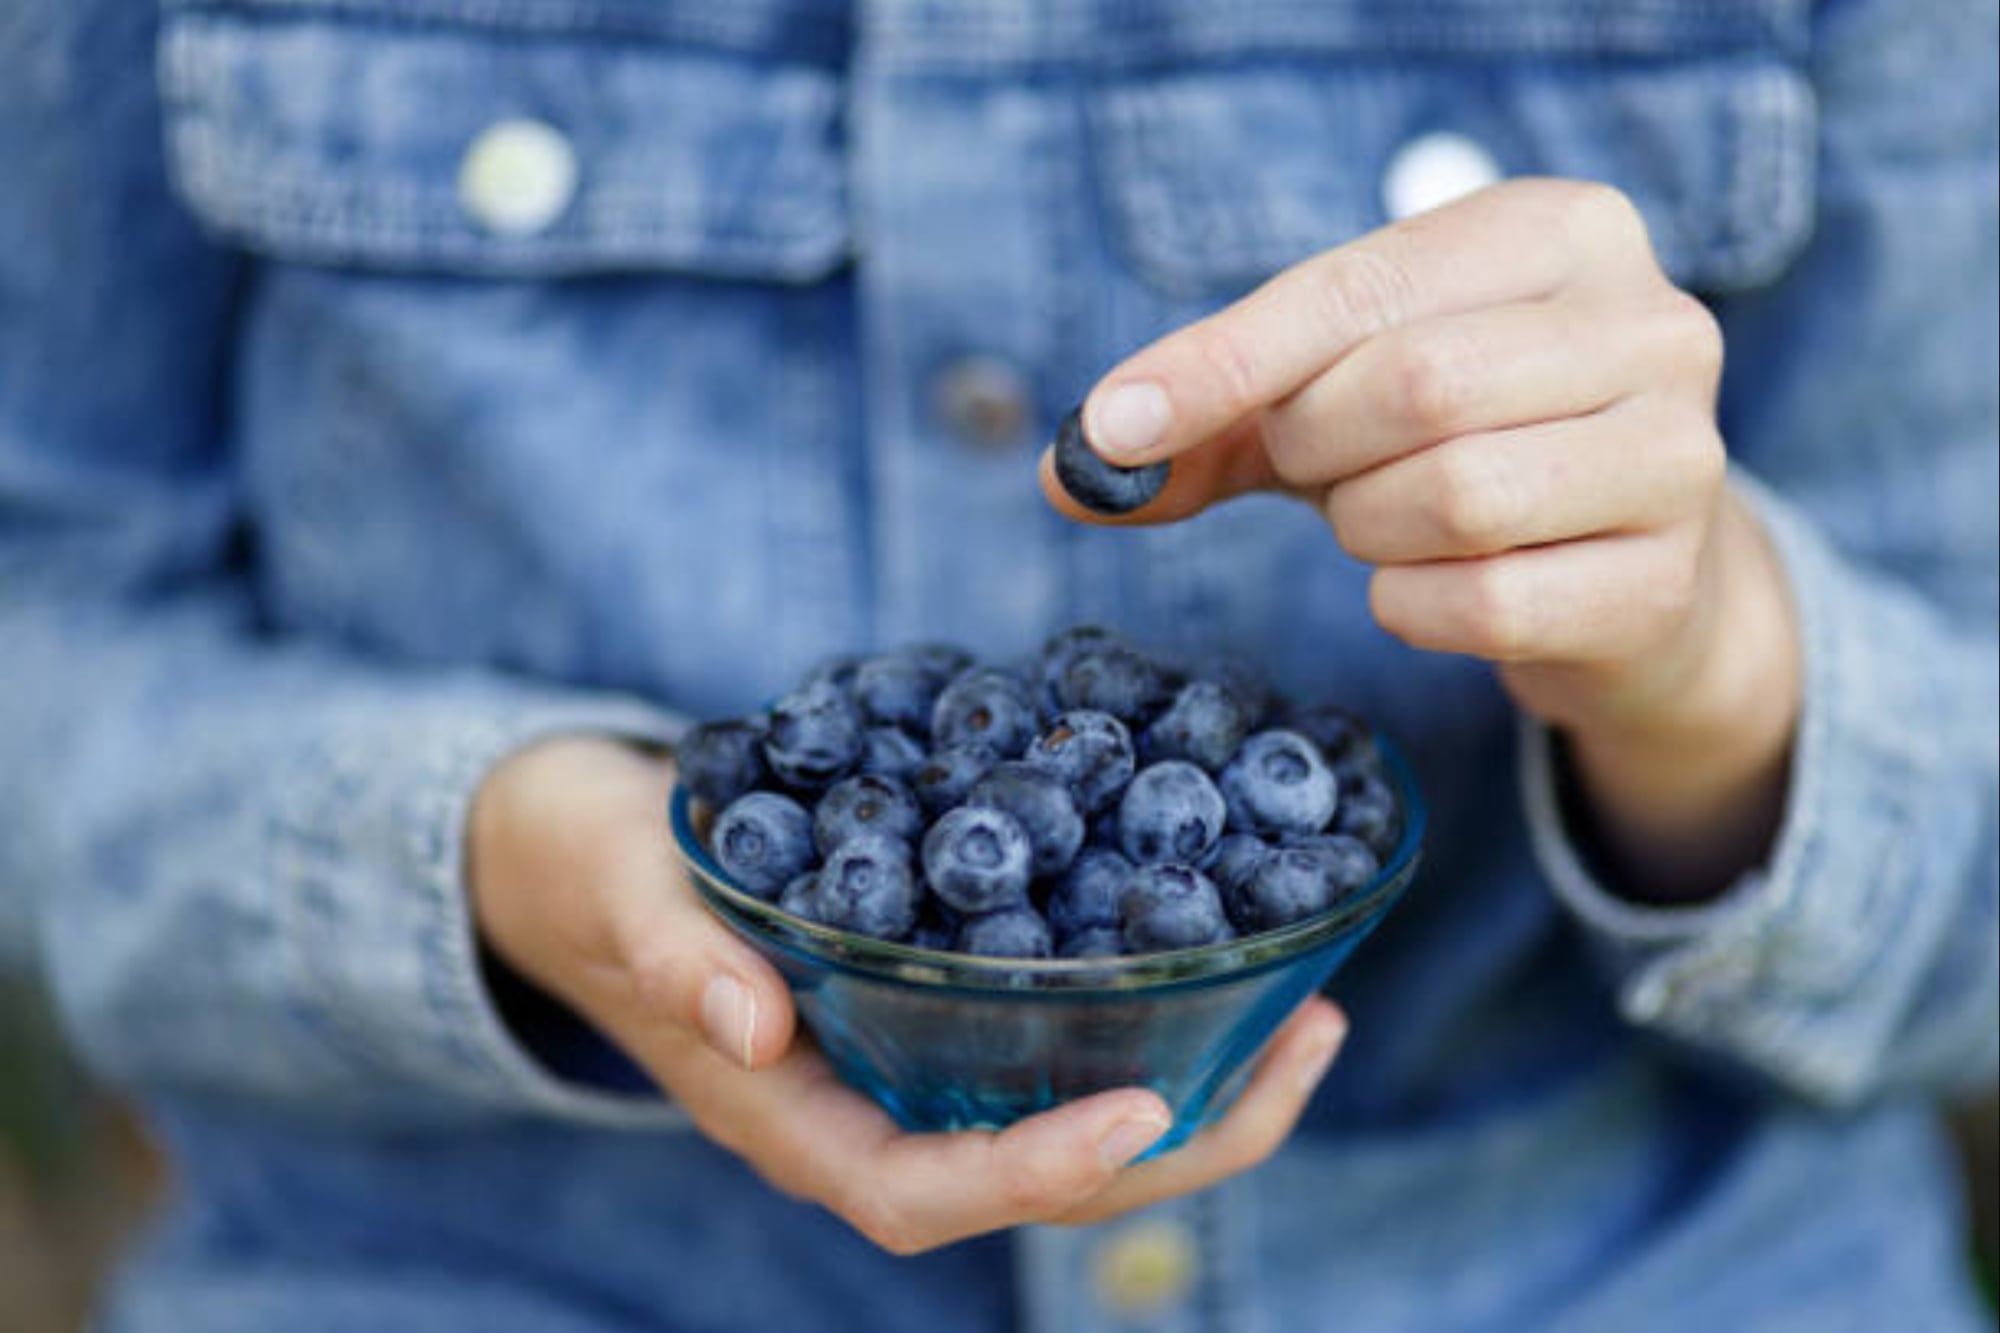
x,y
1506,408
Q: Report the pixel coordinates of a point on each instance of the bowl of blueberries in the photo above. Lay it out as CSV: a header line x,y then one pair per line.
x,y
996,888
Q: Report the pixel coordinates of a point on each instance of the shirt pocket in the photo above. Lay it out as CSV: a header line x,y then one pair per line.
x,y
1215,178
353,136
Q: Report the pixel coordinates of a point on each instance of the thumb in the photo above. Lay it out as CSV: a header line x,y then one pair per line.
x,y
682,968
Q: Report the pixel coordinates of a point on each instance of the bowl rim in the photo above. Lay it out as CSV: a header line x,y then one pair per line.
x,y
907,963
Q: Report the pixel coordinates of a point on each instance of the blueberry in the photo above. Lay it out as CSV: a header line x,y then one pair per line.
x,y
720,761
889,753
1368,811
897,690
1092,752
865,804
816,736
1279,784
1059,650
984,704
1117,680
1041,804
1096,484
1012,932
1171,907
866,887
1350,862
1171,812
761,841
1096,942
1205,723
1086,897
800,897
978,860
1291,884
944,778
1344,740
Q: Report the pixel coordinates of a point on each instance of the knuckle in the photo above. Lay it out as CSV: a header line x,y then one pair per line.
x,y
1034,1190
1603,213
1693,333
883,1224
1468,504
1431,378
1288,443
1495,625
1364,292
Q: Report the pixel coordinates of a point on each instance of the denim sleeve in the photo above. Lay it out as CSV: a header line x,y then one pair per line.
x,y
238,856
1864,958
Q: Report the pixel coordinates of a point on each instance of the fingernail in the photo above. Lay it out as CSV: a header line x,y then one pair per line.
x,y
1315,1066
729,1018
1128,419
1128,1138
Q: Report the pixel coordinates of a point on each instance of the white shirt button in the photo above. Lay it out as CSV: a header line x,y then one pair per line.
x,y
517,177
1145,1268
1433,170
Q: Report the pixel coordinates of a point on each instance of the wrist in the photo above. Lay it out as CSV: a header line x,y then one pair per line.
x,y
1687,793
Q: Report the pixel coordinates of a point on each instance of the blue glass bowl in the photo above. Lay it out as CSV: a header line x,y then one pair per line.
x,y
946,1041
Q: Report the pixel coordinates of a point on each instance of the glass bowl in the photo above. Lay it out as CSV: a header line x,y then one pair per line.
x,y
946,1041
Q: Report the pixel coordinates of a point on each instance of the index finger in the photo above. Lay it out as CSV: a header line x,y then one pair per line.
x,y
1501,245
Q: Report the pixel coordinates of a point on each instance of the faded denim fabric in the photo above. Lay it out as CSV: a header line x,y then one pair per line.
x,y
317,497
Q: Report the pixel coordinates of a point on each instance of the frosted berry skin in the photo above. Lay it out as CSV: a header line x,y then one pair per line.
x,y
865,804
1368,812
1014,932
1090,751
897,690
1278,784
982,704
1171,907
1097,485
1117,680
1204,724
1041,804
944,778
1086,897
978,860
888,752
764,840
867,887
817,736
1170,812
720,761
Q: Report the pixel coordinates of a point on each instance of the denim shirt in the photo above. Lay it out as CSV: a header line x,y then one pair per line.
x,y
386,383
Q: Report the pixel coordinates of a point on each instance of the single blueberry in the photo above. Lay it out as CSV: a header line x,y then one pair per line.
x,y
1058,651
1368,811
1279,784
1344,740
866,886
944,778
1099,485
1086,897
801,896
984,704
1096,942
1090,751
1011,932
1351,864
897,690
1291,884
1170,812
1041,804
816,736
1171,907
720,761
865,804
1117,680
1205,723
889,753
761,841
978,860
